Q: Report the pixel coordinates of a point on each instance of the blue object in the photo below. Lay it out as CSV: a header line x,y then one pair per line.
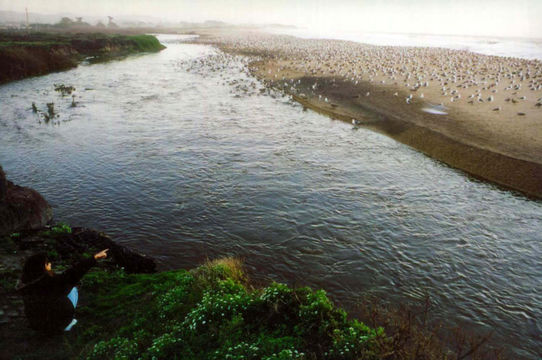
x,y
73,296
69,327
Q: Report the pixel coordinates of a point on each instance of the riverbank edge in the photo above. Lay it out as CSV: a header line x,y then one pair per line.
x,y
483,164
505,171
127,309
36,56
502,170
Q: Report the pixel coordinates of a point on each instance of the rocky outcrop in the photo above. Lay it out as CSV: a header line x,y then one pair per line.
x,y
82,240
65,246
25,210
70,246
21,208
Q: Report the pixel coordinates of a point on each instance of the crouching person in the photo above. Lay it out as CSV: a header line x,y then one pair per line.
x,y
50,299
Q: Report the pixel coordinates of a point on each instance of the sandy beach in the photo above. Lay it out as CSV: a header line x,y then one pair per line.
x,y
481,114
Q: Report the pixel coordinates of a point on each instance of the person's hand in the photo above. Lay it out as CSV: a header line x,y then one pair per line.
x,y
101,255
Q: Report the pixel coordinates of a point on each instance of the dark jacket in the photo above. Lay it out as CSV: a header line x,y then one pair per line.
x,y
46,302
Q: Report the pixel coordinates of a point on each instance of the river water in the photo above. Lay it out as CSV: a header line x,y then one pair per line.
x,y
184,156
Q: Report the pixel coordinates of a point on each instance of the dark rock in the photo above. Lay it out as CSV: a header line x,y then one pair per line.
x,y
25,210
3,186
21,208
29,242
83,240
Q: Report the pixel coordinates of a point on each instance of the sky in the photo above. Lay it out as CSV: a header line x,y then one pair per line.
x,y
517,18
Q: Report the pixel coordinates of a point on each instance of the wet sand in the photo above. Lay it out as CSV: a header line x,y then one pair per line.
x,y
481,114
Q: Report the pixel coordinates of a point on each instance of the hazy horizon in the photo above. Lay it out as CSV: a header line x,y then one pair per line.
x,y
461,17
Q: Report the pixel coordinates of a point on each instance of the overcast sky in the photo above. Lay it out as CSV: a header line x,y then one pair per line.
x,y
471,17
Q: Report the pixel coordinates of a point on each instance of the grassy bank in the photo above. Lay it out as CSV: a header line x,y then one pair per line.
x,y
25,55
209,312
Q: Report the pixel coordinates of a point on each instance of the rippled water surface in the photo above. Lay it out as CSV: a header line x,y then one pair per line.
x,y
184,159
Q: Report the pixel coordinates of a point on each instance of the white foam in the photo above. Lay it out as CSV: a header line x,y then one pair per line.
x,y
434,111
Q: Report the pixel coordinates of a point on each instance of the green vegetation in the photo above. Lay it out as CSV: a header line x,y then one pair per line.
x,y
56,230
50,110
210,313
63,89
23,55
51,113
145,42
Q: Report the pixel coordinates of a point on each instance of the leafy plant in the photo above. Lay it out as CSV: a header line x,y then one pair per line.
x,y
207,314
63,89
58,229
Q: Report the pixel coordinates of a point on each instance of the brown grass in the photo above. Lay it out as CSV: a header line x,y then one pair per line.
x,y
412,334
230,268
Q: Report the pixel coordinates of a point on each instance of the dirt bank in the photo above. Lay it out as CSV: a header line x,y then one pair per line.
x,y
35,54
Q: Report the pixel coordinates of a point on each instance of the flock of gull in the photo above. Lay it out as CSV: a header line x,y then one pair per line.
x,y
442,76
232,71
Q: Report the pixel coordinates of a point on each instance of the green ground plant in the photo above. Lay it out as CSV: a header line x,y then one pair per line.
x,y
63,89
210,313
146,42
58,229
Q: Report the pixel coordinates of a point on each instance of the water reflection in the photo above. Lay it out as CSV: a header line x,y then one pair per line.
x,y
180,161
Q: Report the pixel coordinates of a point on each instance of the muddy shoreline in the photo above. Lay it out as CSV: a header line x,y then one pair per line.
x,y
506,171
464,138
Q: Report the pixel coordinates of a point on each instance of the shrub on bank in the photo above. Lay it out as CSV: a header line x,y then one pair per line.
x,y
146,42
210,314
